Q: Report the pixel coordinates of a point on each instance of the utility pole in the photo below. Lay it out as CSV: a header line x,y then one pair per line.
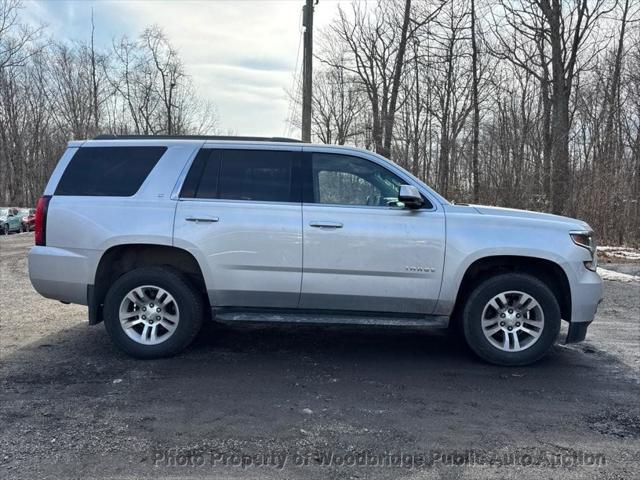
x,y
307,69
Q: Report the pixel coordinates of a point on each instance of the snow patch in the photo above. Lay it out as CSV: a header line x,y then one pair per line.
x,y
620,252
617,276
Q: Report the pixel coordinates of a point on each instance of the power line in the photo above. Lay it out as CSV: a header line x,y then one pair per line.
x,y
294,90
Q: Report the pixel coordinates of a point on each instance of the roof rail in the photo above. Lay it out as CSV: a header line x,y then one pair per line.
x,y
195,137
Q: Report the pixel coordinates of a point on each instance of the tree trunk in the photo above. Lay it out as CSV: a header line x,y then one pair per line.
x,y
389,117
476,108
560,112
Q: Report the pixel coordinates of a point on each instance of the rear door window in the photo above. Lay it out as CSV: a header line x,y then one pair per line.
x,y
251,175
108,171
202,179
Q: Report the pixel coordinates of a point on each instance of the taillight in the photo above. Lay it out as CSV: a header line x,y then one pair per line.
x,y
41,220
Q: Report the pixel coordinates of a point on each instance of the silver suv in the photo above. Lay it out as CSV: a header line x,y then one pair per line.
x,y
157,234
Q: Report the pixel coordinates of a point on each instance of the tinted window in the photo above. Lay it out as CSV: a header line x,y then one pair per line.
x,y
202,180
108,171
346,180
258,175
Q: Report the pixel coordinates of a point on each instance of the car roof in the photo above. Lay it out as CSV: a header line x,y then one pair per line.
x,y
271,143
197,137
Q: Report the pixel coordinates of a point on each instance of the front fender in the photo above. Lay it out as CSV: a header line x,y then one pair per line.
x,y
472,236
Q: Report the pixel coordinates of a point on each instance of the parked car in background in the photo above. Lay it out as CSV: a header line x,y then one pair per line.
x,y
28,219
157,234
10,220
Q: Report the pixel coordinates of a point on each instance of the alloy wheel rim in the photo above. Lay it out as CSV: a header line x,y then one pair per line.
x,y
149,315
512,321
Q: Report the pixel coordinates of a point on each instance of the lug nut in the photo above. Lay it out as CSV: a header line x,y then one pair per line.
x,y
510,310
144,309
502,315
510,328
518,315
151,305
158,318
144,317
502,324
517,324
157,310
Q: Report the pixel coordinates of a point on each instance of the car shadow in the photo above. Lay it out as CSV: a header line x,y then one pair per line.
x,y
281,351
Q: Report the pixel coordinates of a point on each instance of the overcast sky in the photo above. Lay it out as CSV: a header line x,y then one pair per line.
x,y
240,53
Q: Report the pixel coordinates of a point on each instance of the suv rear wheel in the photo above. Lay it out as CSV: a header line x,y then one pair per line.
x,y
153,312
511,319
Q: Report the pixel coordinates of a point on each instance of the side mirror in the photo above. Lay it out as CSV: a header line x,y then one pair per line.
x,y
410,196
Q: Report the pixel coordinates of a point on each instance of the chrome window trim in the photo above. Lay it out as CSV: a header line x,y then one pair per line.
x,y
225,200
374,207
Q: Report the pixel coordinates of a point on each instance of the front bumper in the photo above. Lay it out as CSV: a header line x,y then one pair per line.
x,y
586,295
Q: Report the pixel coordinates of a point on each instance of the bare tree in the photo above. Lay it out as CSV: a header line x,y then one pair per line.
x,y
16,39
376,40
57,91
169,69
564,28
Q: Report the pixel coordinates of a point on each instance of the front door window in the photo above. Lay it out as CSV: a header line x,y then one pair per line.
x,y
348,180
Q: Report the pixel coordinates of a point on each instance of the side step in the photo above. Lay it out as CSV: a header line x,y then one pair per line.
x,y
431,321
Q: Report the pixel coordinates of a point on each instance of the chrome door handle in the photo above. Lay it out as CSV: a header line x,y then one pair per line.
x,y
202,220
325,224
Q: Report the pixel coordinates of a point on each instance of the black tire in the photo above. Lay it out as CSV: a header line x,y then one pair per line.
x,y
488,289
188,299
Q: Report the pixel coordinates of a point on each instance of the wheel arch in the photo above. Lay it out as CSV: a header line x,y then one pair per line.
x,y
551,273
123,258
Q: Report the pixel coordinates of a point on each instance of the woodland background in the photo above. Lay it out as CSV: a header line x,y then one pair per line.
x,y
529,104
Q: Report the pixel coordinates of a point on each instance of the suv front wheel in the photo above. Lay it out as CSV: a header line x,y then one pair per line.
x,y
153,312
511,319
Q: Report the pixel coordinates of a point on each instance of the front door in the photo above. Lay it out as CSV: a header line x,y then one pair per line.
x,y
362,250
240,211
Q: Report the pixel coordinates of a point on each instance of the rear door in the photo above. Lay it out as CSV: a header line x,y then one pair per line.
x,y
240,211
362,250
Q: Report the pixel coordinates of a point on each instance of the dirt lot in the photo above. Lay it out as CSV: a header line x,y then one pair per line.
x,y
310,402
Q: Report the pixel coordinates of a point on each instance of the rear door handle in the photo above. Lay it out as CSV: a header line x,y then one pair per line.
x,y
317,224
202,220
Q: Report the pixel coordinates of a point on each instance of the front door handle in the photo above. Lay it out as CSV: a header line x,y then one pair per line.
x,y
202,220
317,224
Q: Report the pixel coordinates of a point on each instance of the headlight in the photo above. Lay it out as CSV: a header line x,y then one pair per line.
x,y
587,240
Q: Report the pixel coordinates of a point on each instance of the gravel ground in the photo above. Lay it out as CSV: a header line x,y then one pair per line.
x,y
325,402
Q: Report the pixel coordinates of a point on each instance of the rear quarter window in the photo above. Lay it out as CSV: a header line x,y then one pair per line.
x,y
108,171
